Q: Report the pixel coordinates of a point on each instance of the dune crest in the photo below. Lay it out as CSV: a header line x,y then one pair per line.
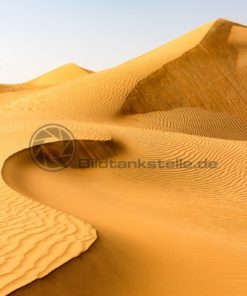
x,y
208,71
63,74
60,75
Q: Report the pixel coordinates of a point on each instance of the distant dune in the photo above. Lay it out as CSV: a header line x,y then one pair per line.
x,y
60,75
161,231
63,74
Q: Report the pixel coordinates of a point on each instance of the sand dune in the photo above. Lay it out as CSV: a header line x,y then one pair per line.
x,y
65,73
60,75
173,231
210,77
35,239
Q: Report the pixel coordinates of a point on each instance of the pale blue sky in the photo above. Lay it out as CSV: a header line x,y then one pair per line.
x,y
39,35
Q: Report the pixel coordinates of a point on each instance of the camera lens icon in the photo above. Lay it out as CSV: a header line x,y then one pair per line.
x,y
52,147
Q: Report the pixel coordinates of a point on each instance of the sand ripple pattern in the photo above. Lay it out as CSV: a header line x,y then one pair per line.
x,y
36,240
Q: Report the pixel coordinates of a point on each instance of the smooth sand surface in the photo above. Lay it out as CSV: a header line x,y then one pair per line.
x,y
160,231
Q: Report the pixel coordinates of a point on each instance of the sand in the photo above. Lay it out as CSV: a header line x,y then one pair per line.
x,y
160,231
35,239
8,93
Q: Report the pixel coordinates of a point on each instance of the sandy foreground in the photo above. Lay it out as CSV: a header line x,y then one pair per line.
x,y
159,231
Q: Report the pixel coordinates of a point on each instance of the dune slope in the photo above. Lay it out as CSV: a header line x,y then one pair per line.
x,y
35,239
208,76
63,74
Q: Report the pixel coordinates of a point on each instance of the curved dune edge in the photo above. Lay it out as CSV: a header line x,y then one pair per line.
x,y
36,239
89,106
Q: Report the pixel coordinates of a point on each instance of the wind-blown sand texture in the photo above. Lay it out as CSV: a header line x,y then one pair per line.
x,y
35,239
161,231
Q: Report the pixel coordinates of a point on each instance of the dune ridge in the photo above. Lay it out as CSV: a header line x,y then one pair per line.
x,y
60,75
208,71
10,92
161,232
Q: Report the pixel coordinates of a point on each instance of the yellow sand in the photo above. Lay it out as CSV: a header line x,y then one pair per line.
x,y
63,74
161,231
35,239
